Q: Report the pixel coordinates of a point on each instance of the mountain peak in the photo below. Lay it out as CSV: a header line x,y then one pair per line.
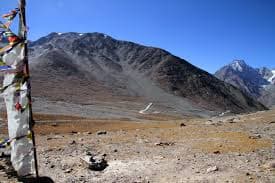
x,y
98,67
255,82
72,34
238,65
53,34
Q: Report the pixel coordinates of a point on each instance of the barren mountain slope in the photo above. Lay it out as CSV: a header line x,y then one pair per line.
x,y
83,68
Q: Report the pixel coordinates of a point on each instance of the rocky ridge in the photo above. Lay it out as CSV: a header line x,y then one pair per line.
x,y
256,82
82,68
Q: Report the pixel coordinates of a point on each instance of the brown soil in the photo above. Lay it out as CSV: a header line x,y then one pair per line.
x,y
158,150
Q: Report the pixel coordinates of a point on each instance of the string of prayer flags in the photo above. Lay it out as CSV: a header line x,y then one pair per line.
x,y
16,93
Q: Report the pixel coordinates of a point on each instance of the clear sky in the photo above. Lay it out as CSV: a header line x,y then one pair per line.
x,y
207,33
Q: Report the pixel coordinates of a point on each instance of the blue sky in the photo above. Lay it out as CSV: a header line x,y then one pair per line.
x,y
207,33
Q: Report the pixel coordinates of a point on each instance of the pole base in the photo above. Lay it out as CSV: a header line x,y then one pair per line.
x,y
35,180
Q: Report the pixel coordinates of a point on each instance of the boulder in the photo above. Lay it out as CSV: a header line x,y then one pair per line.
x,y
95,162
212,169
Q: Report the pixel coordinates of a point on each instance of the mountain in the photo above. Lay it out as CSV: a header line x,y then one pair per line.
x,y
256,82
241,75
267,74
84,68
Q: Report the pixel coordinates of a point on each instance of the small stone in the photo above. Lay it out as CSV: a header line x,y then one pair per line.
x,y
59,149
115,150
270,165
164,144
73,142
182,125
212,169
52,166
209,122
63,167
217,152
88,153
236,120
257,136
69,170
101,133
231,120
54,125
73,132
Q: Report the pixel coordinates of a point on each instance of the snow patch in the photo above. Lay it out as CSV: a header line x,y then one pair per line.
x,y
146,109
272,77
236,66
80,34
59,33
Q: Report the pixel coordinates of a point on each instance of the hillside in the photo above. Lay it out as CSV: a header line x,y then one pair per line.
x,y
84,68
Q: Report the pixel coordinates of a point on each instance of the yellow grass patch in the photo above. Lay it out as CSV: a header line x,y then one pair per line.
x,y
225,142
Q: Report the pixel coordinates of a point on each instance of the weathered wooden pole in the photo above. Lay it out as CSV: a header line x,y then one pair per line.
x,y
23,35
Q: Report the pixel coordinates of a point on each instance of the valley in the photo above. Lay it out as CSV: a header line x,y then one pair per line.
x,y
155,148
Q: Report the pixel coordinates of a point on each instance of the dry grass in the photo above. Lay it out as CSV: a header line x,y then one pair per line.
x,y
52,123
206,138
159,117
42,117
48,117
225,142
96,125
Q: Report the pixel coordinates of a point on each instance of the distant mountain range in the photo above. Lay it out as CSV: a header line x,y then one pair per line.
x,y
256,82
83,68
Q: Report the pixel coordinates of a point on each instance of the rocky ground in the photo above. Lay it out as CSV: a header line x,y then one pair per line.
x,y
157,148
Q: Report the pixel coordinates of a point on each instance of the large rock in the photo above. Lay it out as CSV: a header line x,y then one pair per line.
x,y
95,162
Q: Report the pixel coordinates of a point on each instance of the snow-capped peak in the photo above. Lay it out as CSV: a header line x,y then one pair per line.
x,y
59,33
272,78
237,65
